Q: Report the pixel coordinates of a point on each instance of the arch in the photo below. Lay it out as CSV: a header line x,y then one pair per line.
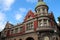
x,y
46,38
46,34
29,38
56,38
20,39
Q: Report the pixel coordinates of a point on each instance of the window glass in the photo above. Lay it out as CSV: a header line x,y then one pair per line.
x,y
21,28
45,22
40,23
29,26
11,31
38,10
16,30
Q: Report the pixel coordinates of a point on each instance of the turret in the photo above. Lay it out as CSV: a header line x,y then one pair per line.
x,y
41,7
41,10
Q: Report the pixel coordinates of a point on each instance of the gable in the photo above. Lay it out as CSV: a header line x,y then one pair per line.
x,y
8,25
30,15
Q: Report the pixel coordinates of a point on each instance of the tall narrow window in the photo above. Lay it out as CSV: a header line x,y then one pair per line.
x,y
11,31
43,11
21,28
40,23
45,22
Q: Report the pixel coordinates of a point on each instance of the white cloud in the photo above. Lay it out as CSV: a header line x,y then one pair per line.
x,y
18,16
22,10
19,13
57,22
2,20
2,25
31,1
6,4
2,16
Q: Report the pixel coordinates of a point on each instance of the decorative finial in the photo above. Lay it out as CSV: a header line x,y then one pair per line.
x,y
40,0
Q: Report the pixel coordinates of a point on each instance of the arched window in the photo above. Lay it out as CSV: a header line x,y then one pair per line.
x,y
20,39
46,38
29,38
14,39
56,38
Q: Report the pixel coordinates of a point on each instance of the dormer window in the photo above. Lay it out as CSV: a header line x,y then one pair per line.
x,y
29,17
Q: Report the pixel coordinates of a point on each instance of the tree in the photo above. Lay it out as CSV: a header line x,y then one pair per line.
x,y
59,19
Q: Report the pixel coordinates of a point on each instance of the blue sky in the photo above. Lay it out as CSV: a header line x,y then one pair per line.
x,y
14,11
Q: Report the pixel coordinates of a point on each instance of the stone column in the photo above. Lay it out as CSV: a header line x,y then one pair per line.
x,y
42,22
46,11
47,23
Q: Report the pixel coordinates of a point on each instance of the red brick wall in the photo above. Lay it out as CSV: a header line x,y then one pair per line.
x,y
35,24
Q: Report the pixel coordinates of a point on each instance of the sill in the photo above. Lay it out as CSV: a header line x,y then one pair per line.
x,y
32,30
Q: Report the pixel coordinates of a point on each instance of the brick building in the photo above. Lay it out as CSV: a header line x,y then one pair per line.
x,y
38,25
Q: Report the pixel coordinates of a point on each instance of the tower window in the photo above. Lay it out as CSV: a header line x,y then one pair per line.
x,y
43,9
40,23
45,22
38,10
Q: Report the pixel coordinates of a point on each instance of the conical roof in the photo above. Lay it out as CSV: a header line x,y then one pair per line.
x,y
40,3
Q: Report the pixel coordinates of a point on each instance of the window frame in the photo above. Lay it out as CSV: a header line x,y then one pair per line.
x,y
29,26
16,30
21,29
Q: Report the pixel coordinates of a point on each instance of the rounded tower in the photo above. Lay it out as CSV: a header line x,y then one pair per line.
x,y
44,21
41,7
